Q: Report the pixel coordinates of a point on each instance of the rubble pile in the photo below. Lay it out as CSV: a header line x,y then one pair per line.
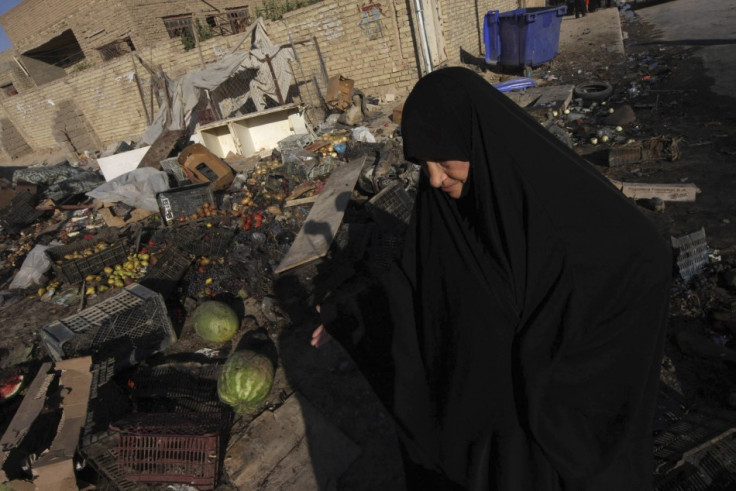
x,y
100,363
113,286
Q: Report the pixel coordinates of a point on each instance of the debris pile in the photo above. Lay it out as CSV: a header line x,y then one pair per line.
x,y
107,274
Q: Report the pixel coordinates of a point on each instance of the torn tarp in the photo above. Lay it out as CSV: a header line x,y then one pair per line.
x,y
187,92
137,188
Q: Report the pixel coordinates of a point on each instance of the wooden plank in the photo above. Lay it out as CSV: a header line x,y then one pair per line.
x,y
292,448
319,229
301,201
27,412
553,97
685,192
160,149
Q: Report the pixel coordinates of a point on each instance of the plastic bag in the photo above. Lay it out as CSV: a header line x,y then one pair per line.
x,y
363,134
137,188
35,265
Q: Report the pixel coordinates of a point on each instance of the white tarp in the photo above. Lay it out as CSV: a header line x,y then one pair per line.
x,y
186,92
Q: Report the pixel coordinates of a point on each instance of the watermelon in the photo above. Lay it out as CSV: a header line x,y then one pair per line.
x,y
245,380
215,321
10,387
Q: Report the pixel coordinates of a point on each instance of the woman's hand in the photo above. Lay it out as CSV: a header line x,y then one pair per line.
x,y
320,336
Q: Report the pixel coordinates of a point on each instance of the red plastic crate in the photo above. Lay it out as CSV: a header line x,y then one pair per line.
x,y
171,448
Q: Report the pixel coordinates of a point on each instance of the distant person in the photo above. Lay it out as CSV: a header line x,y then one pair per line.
x,y
579,8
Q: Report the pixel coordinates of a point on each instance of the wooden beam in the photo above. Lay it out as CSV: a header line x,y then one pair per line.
x,y
685,192
316,235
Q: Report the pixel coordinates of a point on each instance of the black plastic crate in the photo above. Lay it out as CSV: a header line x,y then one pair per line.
x,y
203,241
177,387
391,207
21,212
118,332
183,202
75,270
163,276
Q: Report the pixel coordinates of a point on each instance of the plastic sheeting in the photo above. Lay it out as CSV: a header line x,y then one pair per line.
x,y
137,188
187,92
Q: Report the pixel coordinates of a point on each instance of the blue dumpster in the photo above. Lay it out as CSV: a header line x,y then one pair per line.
x,y
522,37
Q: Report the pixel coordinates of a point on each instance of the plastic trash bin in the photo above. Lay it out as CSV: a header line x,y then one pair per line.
x,y
522,37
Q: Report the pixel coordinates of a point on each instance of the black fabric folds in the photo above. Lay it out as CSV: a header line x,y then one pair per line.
x,y
529,315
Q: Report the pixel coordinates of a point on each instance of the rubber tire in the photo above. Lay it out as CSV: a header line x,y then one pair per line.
x,y
593,91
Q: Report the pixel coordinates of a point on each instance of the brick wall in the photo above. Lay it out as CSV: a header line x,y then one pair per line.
x,y
149,15
33,18
375,48
107,105
376,52
13,143
463,26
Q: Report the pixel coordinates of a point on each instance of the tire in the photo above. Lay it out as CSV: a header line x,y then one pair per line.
x,y
593,90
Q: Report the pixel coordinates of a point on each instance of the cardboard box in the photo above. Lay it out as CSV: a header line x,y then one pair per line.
x,y
107,213
54,469
206,166
396,115
339,92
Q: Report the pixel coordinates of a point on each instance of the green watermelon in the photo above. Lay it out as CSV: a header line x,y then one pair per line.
x,y
245,380
215,321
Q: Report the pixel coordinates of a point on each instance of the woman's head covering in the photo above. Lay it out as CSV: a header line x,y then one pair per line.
x,y
539,299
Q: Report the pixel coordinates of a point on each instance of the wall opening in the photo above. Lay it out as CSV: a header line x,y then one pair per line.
x,y
9,89
62,51
178,25
116,49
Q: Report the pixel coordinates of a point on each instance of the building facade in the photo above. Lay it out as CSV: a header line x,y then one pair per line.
x,y
81,73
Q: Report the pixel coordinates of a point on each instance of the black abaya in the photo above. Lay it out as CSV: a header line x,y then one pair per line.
x,y
529,314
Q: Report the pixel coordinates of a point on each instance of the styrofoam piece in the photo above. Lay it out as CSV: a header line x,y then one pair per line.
x,y
121,163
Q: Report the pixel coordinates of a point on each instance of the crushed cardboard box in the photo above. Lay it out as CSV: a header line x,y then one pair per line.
x,y
206,166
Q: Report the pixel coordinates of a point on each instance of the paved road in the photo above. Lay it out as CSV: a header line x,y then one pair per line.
x,y
709,25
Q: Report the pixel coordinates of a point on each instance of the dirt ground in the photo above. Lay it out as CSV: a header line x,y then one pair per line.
x,y
671,99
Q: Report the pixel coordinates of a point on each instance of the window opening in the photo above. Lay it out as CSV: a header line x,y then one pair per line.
x,y
178,25
116,49
9,89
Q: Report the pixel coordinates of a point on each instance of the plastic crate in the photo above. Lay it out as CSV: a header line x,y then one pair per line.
x,y
391,207
118,332
172,168
184,201
168,270
214,241
171,448
177,388
102,454
523,37
75,270
21,212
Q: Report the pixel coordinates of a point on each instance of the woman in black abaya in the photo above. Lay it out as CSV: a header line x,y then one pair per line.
x,y
529,307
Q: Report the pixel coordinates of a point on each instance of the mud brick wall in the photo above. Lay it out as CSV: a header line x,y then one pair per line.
x,y
376,52
33,20
72,129
463,27
96,23
150,26
11,141
373,54
93,22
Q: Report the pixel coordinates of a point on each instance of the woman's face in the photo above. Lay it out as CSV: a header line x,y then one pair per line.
x,y
448,175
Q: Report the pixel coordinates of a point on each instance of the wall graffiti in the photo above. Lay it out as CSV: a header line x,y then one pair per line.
x,y
370,19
